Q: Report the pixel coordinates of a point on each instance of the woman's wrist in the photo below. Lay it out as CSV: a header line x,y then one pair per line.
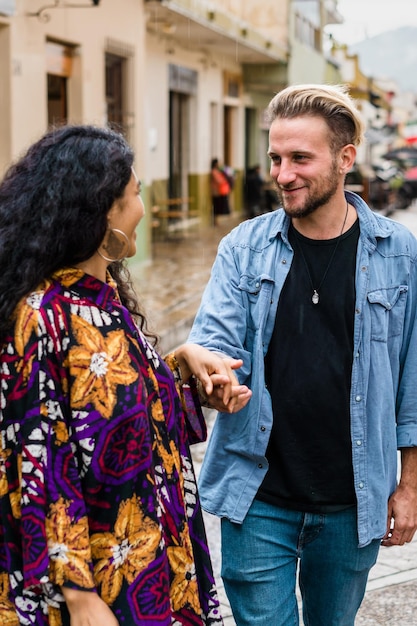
x,y
87,608
76,599
177,365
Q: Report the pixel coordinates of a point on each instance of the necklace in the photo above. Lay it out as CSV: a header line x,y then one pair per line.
x,y
315,298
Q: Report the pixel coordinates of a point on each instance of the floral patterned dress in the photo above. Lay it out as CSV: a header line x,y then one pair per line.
x,y
97,489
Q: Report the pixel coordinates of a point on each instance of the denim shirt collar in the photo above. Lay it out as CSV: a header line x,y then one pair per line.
x,y
372,227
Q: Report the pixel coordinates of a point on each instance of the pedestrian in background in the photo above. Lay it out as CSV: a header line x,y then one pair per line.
x,y
100,520
220,190
319,300
271,195
254,191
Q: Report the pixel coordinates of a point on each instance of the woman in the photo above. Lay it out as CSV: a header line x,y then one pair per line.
x,y
100,518
220,190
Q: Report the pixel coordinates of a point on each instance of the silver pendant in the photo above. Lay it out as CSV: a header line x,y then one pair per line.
x,y
315,297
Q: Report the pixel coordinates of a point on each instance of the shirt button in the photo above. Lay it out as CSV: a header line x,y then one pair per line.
x,y
358,398
359,442
361,485
260,466
256,285
284,262
357,311
263,429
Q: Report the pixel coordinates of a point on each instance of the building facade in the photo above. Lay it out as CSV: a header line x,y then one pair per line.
x,y
174,76
184,80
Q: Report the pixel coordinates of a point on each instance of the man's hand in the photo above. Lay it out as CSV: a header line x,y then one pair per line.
x,y
402,505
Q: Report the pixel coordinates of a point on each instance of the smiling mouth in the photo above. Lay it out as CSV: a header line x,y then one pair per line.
x,y
291,190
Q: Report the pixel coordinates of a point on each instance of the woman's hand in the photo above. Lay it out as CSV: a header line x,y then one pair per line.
x,y
86,608
220,399
216,375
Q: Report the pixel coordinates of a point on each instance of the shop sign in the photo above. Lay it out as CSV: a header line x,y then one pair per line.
x,y
410,132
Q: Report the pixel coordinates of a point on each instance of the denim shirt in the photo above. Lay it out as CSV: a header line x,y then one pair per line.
x,y
236,317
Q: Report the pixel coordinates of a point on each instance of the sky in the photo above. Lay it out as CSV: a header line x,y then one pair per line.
x,y
367,18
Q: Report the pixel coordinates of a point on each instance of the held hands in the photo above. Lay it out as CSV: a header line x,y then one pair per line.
x,y
220,397
216,375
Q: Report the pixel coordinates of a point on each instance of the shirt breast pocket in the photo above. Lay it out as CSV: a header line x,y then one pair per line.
x,y
250,287
256,292
387,312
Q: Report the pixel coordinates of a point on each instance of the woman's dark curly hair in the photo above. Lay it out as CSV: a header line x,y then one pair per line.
x,y
53,211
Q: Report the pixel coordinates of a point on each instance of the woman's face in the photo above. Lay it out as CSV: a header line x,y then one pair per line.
x,y
127,211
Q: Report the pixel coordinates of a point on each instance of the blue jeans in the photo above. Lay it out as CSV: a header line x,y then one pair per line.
x,y
260,559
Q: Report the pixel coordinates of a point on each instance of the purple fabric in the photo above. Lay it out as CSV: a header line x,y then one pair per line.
x,y
97,488
194,418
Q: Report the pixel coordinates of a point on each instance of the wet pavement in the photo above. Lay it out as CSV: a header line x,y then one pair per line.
x,y
170,288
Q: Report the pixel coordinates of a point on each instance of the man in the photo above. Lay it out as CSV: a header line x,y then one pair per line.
x,y
254,192
319,299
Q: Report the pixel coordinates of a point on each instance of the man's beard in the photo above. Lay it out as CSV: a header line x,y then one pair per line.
x,y
322,196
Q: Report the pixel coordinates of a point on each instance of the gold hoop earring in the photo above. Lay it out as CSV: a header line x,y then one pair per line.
x,y
115,247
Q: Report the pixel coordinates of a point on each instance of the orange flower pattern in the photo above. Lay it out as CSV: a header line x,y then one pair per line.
x,y
99,365
68,547
97,489
126,552
184,587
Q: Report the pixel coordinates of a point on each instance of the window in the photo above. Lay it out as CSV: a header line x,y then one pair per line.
x,y
59,70
115,85
307,33
57,100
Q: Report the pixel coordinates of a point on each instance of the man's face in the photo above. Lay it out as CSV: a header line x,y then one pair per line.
x,y
303,166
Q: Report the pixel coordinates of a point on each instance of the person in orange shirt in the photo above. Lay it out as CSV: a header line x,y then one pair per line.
x,y
220,190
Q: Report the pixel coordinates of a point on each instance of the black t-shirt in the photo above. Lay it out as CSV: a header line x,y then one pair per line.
x,y
308,374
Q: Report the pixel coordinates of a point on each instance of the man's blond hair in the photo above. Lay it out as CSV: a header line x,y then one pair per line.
x,y
331,102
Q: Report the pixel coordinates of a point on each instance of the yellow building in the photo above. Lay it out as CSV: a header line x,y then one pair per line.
x,y
184,80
